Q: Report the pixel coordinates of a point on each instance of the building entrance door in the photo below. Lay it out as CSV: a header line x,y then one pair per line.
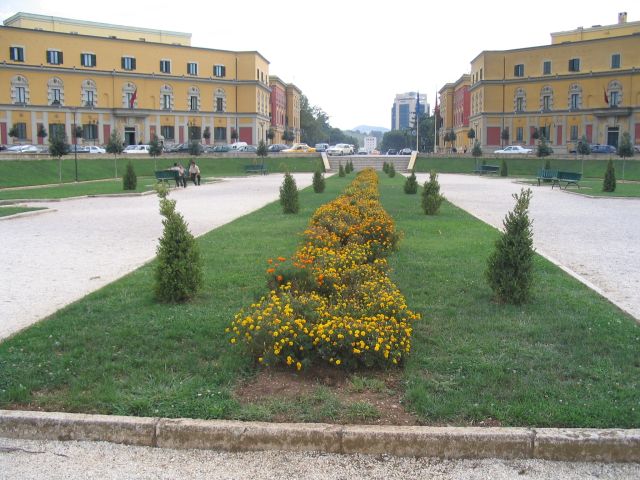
x,y
612,136
129,135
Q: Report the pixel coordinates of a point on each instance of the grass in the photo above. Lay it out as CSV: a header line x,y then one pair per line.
x,y
66,190
590,167
569,358
17,173
6,211
593,188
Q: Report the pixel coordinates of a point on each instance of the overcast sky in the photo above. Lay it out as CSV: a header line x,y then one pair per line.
x,y
350,58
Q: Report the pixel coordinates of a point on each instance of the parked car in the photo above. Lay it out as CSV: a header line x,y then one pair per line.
x,y
340,149
23,149
597,148
405,151
236,146
95,149
322,147
135,149
277,147
299,148
636,148
514,149
362,151
248,149
219,148
392,151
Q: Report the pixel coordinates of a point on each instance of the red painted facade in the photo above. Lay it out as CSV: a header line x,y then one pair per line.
x,y
559,135
246,134
493,135
461,107
278,106
589,133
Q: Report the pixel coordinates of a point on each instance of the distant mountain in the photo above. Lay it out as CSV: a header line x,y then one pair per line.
x,y
369,128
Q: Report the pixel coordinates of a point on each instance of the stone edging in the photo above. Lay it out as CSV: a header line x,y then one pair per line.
x,y
31,213
560,444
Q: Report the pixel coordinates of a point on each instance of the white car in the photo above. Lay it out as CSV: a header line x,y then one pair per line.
x,y
95,149
23,149
340,149
514,149
136,149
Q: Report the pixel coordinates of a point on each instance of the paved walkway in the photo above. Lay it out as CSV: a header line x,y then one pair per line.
x,y
57,258
595,239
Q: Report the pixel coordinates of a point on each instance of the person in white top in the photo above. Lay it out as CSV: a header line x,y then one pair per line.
x,y
194,173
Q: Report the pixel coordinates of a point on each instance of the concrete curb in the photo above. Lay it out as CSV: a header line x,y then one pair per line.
x,y
32,213
577,444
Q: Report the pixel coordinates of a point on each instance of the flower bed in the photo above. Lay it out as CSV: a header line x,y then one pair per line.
x,y
333,301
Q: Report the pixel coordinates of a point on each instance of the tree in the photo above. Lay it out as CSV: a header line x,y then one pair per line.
x,y
318,182
114,145
510,267
609,183
129,179
471,134
583,147
288,136
178,275
234,135
392,171
42,132
77,132
206,134
262,149
392,139
271,135
341,171
195,148
155,148
504,135
535,133
625,149
476,151
58,146
543,150
411,184
431,198
14,132
194,133
289,195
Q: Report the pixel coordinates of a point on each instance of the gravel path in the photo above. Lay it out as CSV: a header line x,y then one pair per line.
x,y
595,239
58,258
23,459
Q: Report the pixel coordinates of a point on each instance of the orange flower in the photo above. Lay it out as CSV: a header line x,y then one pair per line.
x,y
270,260
282,259
271,270
279,278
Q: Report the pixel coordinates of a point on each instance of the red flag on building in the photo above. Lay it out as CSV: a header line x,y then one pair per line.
x,y
606,97
133,98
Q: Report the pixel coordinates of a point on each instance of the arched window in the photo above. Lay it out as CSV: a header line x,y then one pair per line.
x,y
220,101
19,90
546,98
575,97
129,95
89,93
55,91
166,97
520,100
193,99
614,92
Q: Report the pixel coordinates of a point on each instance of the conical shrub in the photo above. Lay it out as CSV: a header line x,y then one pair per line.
x,y
431,198
341,172
318,182
129,179
289,195
609,184
411,184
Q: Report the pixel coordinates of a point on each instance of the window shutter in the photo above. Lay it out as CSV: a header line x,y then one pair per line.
x,y
60,58
93,60
224,71
133,64
82,60
122,63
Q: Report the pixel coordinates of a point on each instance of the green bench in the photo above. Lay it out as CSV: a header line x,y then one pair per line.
x,y
169,175
547,175
487,169
255,169
569,178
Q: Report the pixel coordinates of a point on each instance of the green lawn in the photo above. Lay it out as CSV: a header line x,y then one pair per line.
x,y
66,190
528,166
16,173
6,211
593,188
569,358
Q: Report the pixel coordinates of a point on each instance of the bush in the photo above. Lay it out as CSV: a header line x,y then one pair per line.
x,y
318,182
510,266
262,149
392,171
129,179
609,184
411,184
477,150
544,150
431,198
195,148
385,167
503,168
341,172
289,195
178,275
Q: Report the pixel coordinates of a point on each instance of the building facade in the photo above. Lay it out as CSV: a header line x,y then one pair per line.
x,y
370,144
585,83
58,74
404,109
455,107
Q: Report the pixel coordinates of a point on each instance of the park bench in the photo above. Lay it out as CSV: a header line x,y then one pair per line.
x,y
547,175
255,169
482,169
171,175
569,177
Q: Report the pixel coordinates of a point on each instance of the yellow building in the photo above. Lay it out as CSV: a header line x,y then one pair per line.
x,y
285,110
454,111
585,83
56,73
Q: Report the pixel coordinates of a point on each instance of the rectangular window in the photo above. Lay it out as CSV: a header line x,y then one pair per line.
x,y
519,134
546,102
518,70
574,133
574,101
613,99
615,60
87,59
167,131
165,66
519,104
21,95
90,98
21,129
55,96
546,67
481,74
192,68
90,131
219,105
166,102
54,57
574,65
128,63
193,103
544,133
220,133
219,71
16,54
56,130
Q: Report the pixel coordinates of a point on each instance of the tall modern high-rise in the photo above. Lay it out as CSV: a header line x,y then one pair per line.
x,y
404,107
